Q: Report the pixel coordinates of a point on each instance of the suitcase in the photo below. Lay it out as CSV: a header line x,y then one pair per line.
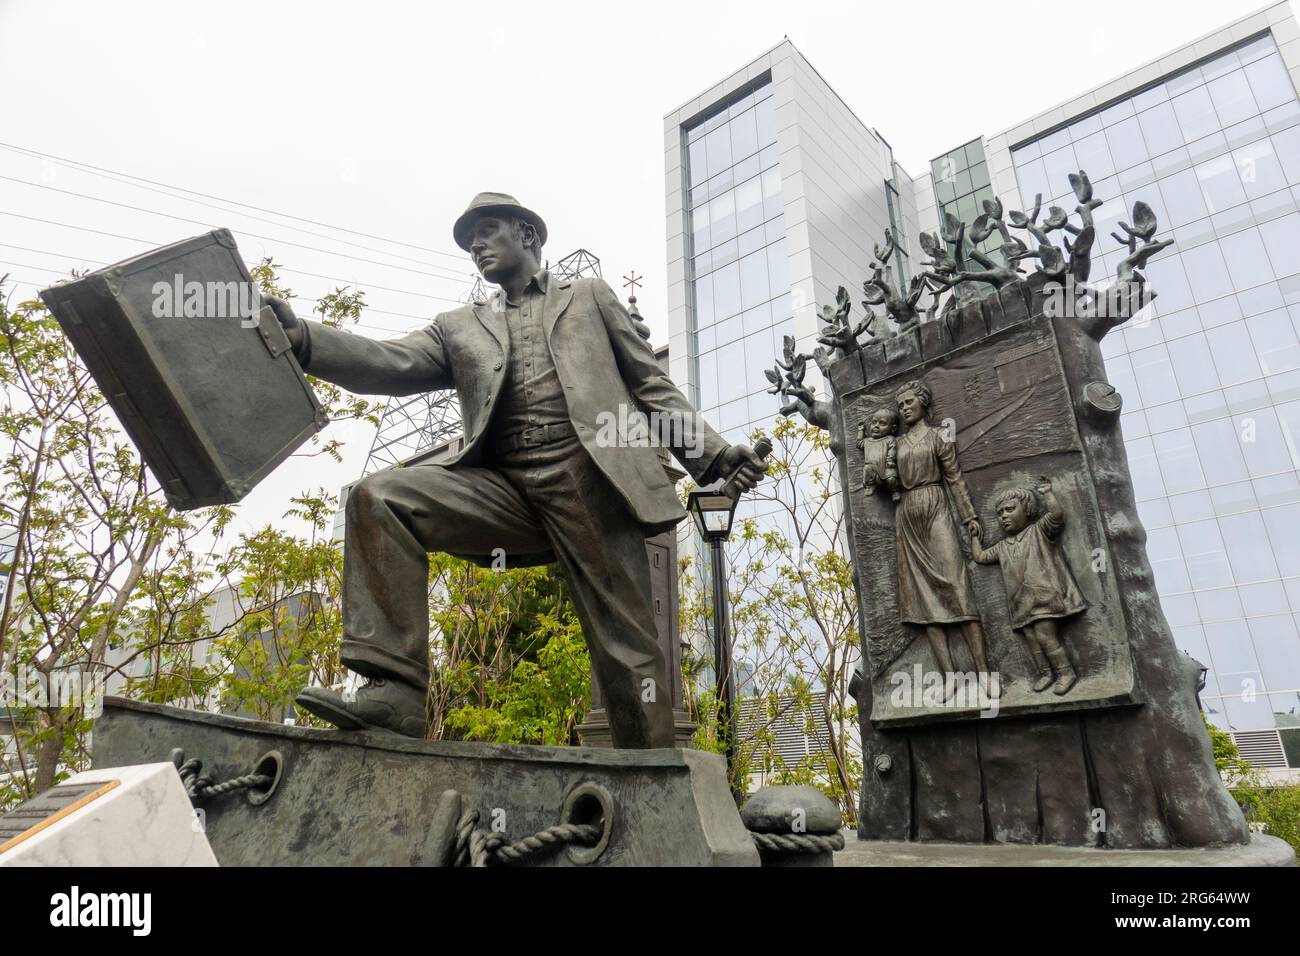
x,y
201,376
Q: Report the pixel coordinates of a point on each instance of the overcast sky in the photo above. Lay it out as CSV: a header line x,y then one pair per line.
x,y
385,118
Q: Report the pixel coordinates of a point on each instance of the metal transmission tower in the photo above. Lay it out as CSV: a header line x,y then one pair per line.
x,y
577,265
412,426
479,292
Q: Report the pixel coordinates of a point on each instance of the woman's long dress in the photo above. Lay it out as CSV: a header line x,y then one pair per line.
x,y
934,585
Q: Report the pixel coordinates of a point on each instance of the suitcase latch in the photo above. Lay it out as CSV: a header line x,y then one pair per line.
x,y
272,333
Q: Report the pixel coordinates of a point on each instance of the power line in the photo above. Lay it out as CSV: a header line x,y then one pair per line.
x,y
207,225
68,225
378,328
223,209
352,282
233,202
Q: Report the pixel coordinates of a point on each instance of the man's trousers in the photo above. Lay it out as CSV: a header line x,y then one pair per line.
x,y
549,498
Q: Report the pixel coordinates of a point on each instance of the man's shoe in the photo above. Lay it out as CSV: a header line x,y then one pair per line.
x,y
378,704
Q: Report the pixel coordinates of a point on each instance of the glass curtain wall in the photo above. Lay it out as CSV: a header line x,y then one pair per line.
x,y
1210,373
962,186
738,267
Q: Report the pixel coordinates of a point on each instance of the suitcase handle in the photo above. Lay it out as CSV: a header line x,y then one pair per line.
x,y
272,333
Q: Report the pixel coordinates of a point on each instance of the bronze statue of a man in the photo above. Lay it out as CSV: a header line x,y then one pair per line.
x,y
541,371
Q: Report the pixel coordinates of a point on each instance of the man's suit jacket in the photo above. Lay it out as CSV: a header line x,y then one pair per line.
x,y
602,364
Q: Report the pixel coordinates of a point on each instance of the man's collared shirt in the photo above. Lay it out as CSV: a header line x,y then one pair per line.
x,y
532,394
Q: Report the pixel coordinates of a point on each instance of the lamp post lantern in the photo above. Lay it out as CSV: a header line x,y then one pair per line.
x,y
713,513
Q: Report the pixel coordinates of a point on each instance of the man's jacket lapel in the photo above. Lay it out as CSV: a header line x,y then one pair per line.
x,y
494,322
559,293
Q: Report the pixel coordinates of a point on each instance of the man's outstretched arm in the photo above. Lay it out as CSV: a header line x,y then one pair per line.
x,y
704,453
405,366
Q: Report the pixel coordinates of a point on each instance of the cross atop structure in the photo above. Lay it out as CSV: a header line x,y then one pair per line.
x,y
632,281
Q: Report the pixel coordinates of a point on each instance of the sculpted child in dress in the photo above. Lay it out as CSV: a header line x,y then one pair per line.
x,y
880,451
1041,592
934,584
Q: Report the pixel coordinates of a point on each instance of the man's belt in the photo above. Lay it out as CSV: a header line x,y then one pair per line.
x,y
534,436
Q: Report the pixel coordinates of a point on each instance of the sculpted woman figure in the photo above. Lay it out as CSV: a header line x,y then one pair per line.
x,y
934,585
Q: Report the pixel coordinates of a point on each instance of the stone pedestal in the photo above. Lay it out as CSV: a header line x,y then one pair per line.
x,y
594,729
1260,851
356,799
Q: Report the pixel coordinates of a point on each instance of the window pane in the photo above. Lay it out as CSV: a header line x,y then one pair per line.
x,y
778,268
1207,562
1032,177
726,291
698,166
1207,272
1234,356
1127,147
1247,546
1220,453
1220,184
1247,262
744,135
749,204
1270,83
1093,156
1195,112
758,356
704,314
753,280
708,381
1259,168
1184,200
1160,129
772,205
1277,645
1155,376
765,117
700,228
718,147
731,378
1275,343
1263,445
1232,98
1282,239
1193,366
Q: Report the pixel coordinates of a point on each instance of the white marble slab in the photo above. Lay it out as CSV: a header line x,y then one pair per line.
x,y
145,820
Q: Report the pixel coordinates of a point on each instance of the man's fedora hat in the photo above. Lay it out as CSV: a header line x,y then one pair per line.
x,y
494,204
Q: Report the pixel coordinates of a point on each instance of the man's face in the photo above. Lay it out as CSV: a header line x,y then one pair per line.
x,y
496,250
1013,516
882,424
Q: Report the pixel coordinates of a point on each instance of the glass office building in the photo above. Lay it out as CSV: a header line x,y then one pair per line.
x,y
739,266
1210,373
1208,134
776,194
962,186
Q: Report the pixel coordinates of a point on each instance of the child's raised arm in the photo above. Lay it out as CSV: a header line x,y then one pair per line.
x,y
1053,518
